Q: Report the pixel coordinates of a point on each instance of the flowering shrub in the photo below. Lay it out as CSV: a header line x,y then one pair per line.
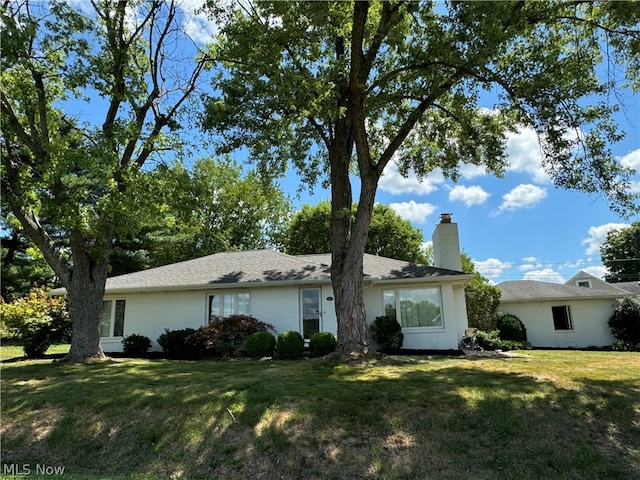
x,y
37,320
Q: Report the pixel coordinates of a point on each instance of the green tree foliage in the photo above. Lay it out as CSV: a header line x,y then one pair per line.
x,y
72,179
620,253
22,265
482,298
341,87
309,231
37,320
210,207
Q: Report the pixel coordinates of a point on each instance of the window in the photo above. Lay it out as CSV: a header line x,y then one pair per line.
x,y
418,307
562,318
227,304
112,324
584,283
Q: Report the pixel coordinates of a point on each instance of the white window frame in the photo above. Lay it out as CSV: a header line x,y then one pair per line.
x,y
588,283
396,291
221,295
569,316
112,316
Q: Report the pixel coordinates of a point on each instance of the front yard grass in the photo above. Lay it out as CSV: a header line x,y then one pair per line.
x,y
542,415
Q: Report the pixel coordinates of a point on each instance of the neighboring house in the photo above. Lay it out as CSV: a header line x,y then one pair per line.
x,y
291,293
574,314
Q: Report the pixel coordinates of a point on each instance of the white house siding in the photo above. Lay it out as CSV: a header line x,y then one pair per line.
x,y
589,319
454,314
150,314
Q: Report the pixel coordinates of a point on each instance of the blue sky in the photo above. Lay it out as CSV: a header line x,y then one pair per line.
x,y
519,227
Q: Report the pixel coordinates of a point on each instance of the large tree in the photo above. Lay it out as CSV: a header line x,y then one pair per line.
x,y
309,231
341,87
88,100
211,207
620,253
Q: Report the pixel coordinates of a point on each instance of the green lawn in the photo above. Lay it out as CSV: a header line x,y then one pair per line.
x,y
543,415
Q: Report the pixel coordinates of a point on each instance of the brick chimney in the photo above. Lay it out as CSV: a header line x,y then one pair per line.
x,y
446,244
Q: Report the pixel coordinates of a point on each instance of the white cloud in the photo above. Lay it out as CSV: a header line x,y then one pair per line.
x,y
525,195
197,25
394,183
413,211
634,187
491,267
471,171
597,236
473,195
597,271
531,263
631,160
544,275
524,154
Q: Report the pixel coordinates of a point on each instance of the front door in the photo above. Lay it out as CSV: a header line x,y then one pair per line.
x,y
310,312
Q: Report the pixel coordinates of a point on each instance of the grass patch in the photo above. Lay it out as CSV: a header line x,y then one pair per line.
x,y
548,414
9,352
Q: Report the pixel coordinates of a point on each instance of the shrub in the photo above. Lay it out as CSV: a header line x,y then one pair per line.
x,y
387,333
260,344
136,345
492,341
290,344
625,320
489,340
174,343
322,343
37,321
623,346
226,336
511,327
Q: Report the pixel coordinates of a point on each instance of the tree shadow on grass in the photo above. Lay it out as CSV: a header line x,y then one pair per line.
x,y
318,420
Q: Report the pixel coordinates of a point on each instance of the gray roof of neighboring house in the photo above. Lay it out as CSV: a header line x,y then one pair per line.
x,y
266,267
529,290
632,287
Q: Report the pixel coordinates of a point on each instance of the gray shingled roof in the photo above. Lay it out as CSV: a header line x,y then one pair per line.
x,y
260,266
632,287
527,290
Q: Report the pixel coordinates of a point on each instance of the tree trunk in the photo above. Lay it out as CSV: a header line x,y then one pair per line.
x,y
86,288
86,293
348,239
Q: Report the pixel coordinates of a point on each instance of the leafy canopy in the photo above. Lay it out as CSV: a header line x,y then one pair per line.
x,y
620,253
211,207
429,85
309,231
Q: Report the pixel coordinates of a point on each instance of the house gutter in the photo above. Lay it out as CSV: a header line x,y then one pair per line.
x,y
367,283
561,299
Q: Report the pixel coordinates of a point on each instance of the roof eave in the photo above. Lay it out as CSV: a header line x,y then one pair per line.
x,y
461,279
559,299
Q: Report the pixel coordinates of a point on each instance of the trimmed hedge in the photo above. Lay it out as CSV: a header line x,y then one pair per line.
x,y
174,343
510,327
136,345
260,344
624,321
322,343
387,333
290,345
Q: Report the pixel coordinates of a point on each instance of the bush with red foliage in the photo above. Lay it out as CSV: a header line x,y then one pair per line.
x,y
226,337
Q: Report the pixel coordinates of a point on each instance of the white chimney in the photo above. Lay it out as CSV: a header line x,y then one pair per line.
x,y
446,244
